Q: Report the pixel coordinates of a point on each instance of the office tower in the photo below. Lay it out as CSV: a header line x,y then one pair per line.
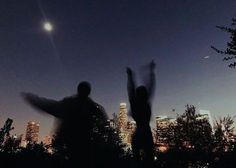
x,y
23,143
131,127
163,124
111,123
32,132
47,140
205,114
122,117
122,122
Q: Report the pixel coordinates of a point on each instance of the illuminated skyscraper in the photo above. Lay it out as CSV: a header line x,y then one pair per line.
x,y
32,132
47,140
122,117
163,130
126,127
205,114
131,127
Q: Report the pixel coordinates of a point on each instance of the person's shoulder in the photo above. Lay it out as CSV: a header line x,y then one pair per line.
x,y
98,107
69,99
95,104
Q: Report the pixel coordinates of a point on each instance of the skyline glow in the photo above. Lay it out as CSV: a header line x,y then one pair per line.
x,y
97,41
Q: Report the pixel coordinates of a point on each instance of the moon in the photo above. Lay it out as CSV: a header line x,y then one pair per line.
x,y
48,26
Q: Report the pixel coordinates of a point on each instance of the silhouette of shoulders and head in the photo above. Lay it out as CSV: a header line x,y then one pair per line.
x,y
83,89
77,114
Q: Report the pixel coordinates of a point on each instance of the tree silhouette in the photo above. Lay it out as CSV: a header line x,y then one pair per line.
x,y
107,140
191,132
189,139
224,130
230,51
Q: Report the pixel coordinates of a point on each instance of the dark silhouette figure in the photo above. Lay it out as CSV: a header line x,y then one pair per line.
x,y
139,98
79,116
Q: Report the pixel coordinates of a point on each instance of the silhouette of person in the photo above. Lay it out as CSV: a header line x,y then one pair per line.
x,y
79,116
139,98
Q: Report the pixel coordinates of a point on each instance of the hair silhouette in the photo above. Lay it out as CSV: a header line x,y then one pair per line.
x,y
84,89
139,98
79,115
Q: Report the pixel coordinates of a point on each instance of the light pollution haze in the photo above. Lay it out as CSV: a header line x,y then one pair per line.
x,y
96,41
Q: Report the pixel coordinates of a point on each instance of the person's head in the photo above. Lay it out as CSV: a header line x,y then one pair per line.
x,y
84,89
142,93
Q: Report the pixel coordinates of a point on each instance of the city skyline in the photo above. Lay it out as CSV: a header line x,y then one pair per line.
x,y
96,41
122,114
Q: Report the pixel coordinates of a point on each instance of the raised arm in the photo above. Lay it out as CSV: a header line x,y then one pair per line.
x,y
130,84
152,80
49,106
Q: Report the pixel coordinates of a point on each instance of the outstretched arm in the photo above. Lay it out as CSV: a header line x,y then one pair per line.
x,y
46,105
130,84
152,80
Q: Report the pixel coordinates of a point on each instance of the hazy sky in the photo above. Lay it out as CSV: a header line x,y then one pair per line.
x,y
95,40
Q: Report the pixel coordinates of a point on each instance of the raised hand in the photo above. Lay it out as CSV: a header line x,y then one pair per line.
x,y
152,65
129,71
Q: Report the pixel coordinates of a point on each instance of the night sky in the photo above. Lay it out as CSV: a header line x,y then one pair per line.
x,y
96,40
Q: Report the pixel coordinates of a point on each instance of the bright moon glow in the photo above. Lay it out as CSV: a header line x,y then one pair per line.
x,y
48,26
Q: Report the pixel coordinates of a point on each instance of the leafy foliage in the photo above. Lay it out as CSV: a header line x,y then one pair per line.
x,y
191,131
224,130
230,51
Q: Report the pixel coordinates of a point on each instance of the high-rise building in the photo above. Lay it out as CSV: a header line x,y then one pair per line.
x,y
205,114
125,126
32,132
164,122
23,143
122,117
47,140
111,123
163,130
131,127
